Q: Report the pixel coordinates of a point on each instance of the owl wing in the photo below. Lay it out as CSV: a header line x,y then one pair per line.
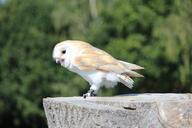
x,y
92,58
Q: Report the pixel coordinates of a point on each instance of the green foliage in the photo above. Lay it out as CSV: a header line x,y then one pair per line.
x,y
155,34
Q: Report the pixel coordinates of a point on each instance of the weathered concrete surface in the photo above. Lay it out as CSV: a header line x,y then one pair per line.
x,y
130,111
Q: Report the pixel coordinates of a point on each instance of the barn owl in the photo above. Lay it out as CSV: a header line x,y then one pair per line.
x,y
95,65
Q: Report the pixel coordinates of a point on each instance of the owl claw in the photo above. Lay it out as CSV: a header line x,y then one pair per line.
x,y
91,92
85,96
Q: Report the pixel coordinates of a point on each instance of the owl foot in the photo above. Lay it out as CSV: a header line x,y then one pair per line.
x,y
91,92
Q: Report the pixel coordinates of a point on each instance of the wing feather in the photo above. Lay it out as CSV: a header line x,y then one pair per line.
x,y
91,58
95,59
131,66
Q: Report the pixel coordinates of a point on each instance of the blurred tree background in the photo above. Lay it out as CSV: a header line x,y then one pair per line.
x,y
156,34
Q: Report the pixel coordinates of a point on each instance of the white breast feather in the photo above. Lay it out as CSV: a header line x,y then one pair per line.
x,y
99,78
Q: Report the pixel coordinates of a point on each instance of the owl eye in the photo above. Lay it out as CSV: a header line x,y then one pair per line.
x,y
63,52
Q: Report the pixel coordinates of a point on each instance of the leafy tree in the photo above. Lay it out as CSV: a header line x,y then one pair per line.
x,y
27,75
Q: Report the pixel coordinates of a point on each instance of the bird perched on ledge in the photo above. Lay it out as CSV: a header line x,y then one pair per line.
x,y
95,65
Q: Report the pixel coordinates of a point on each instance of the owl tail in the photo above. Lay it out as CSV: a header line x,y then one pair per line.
x,y
130,66
125,79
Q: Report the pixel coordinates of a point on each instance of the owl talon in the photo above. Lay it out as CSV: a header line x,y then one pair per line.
x,y
91,92
84,96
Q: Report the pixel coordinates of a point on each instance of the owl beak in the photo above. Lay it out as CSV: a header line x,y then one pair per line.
x,y
57,61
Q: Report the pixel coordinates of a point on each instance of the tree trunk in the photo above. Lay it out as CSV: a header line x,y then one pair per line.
x,y
130,111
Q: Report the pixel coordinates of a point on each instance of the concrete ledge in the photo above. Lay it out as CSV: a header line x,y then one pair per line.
x,y
130,111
